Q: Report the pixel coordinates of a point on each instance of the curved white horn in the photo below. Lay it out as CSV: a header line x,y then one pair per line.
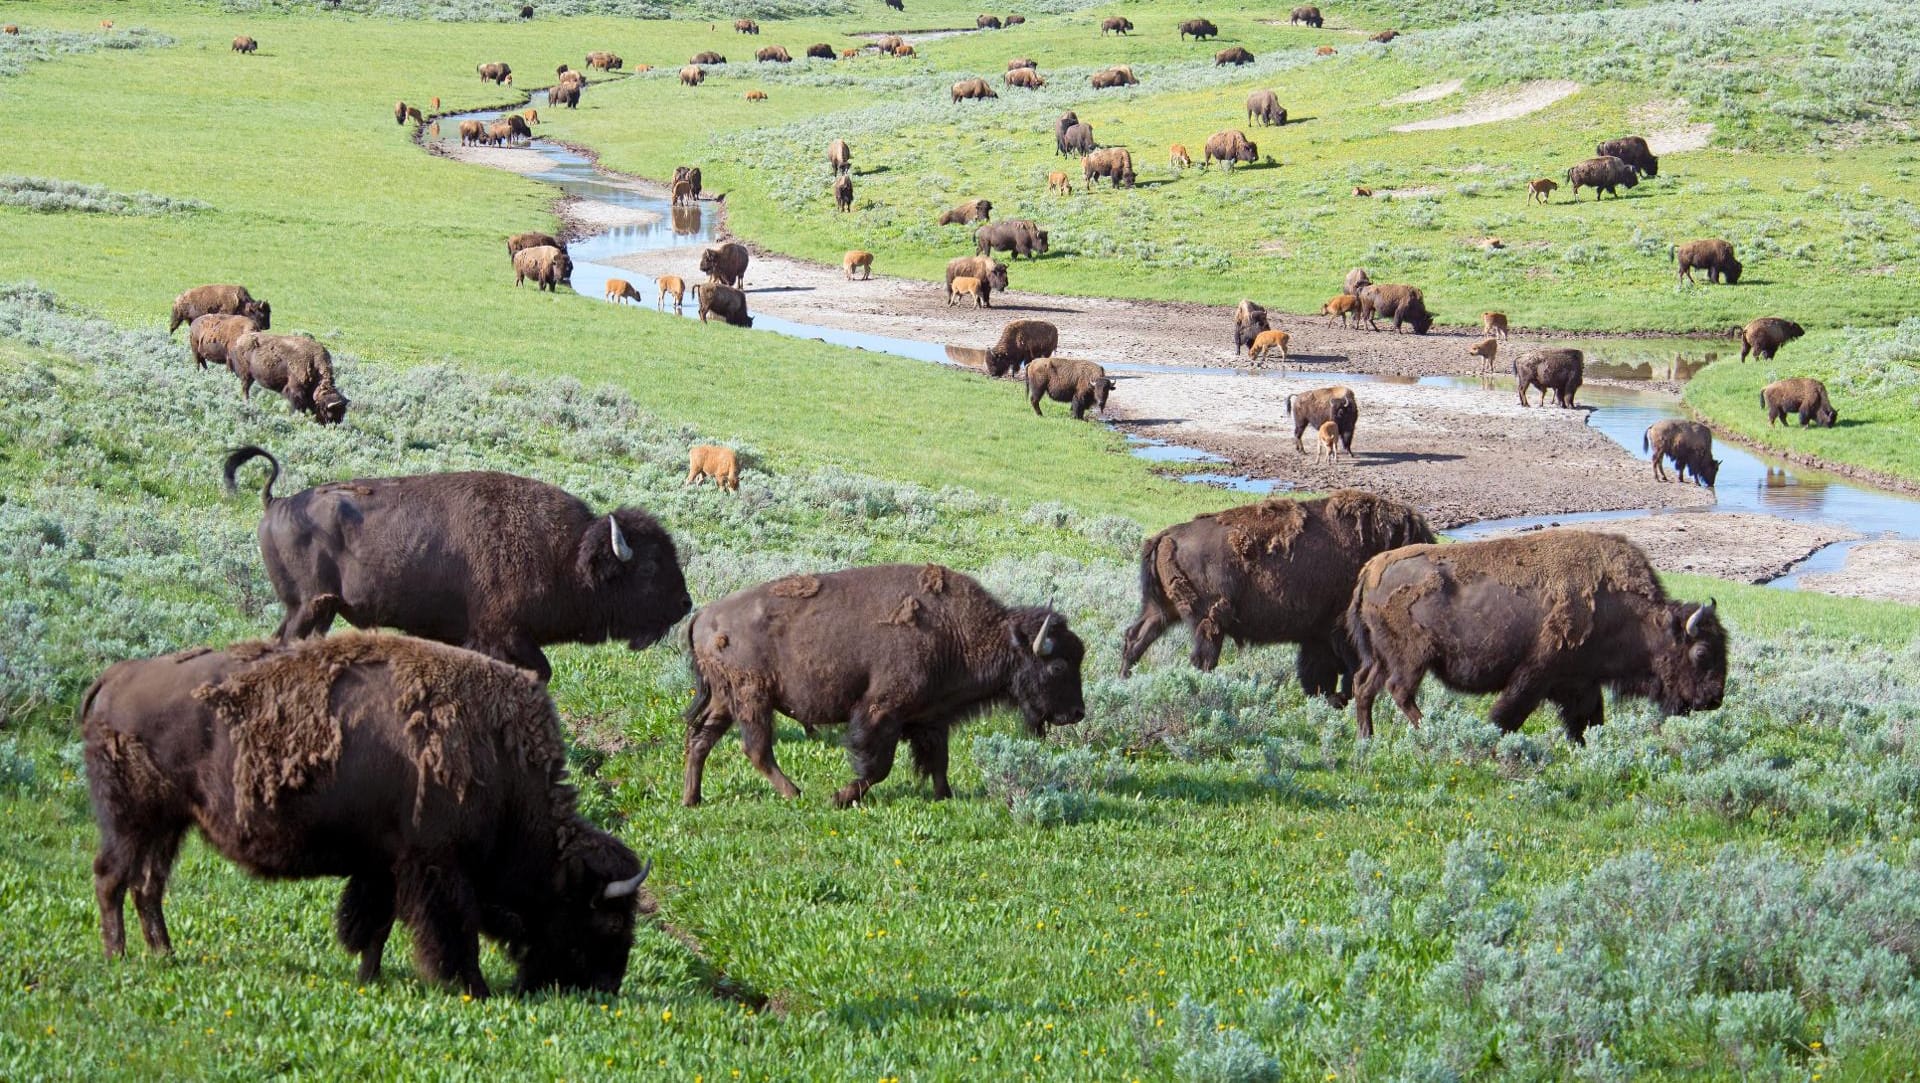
x,y
1041,636
1693,622
620,889
620,547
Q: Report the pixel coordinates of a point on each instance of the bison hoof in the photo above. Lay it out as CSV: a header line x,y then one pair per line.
x,y
847,798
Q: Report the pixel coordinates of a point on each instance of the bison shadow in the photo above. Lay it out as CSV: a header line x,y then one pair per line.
x,y
781,289
1035,308
874,171
1389,458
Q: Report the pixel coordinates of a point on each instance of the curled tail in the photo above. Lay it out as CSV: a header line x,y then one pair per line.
x,y
239,456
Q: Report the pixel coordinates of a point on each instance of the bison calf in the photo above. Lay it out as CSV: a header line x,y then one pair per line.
x,y
857,260
965,286
1265,343
1081,383
712,461
1342,305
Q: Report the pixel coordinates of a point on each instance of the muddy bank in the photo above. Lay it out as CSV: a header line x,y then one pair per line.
x,y
1740,547
1884,570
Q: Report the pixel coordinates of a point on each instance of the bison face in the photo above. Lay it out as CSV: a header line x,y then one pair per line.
x,y
1733,272
329,405
1421,321
629,564
998,277
261,312
1826,416
1046,674
1101,389
1695,677
1707,471
582,943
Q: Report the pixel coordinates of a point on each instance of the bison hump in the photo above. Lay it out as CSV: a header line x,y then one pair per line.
x,y
795,586
1265,529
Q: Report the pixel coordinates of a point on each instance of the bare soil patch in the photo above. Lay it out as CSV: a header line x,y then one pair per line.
x,y
1432,92
1737,546
1886,570
1505,104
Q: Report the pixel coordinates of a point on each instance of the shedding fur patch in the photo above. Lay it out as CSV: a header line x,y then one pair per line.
x,y
933,579
795,586
905,613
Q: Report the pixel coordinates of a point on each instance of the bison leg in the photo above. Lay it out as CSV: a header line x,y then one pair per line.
x,y
1406,695
1146,629
309,618
1321,672
150,884
700,741
756,738
1367,684
112,869
438,904
928,745
1580,710
872,740
364,919
1515,705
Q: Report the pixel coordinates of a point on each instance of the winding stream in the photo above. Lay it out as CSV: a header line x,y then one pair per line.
x,y
1747,482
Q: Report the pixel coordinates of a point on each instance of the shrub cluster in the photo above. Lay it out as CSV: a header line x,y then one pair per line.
x,y
55,196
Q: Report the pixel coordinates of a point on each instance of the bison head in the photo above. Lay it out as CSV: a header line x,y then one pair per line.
x,y
1690,667
1102,387
260,312
1249,153
1046,668
627,562
1420,320
1826,415
998,276
563,267
581,942
1040,245
1707,471
1732,271
329,405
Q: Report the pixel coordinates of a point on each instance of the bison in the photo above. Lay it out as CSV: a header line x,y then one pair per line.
x,y
723,301
1713,256
1019,62
1603,175
1800,395
670,286
1116,24
1060,126
432,778
224,299
1019,236
857,260
1114,163
1279,571
1026,78
1264,106
973,210
1357,280
725,262
1559,370
1542,189
500,564
1312,409
745,26
991,272
1265,343
971,88
1198,29
1405,304
1233,54
1081,383
774,54
1308,15
1494,323
987,22
1689,444
843,192
1229,147
820,50
297,367
520,242
1385,36
894,652
967,286
1113,77
721,464
1632,150
604,61
211,337
1487,349
1020,342
1552,616
1249,321
1341,305
472,133
245,44
565,93
546,265
497,73
1016,20
1078,138
692,75
1764,337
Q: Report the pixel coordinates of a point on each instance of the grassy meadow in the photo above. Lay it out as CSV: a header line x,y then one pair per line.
x,y
1208,879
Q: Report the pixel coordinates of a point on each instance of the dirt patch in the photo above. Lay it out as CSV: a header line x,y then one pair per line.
x,y
586,216
1886,570
1506,104
1741,547
1432,92
511,159
1665,125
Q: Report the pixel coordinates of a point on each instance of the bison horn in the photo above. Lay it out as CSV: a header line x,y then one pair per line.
x,y
621,889
1693,622
620,547
1040,637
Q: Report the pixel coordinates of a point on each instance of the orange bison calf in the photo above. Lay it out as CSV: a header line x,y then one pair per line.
x,y
712,461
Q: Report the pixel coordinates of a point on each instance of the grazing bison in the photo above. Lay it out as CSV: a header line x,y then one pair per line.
x,y
211,337
432,778
1632,150
1547,617
566,93
1019,236
245,44
973,210
1115,24
971,88
1058,181
1249,320
843,192
1198,29
903,51
1312,409
692,75
603,61
1022,62
745,26
1264,106
297,367
1309,15
1764,337
710,461
1542,189
500,564
224,299
1325,50
756,95
991,272
889,43
1027,78
1385,36
1020,342
400,113
498,74
1177,156
857,260
520,242
1800,395
1689,444
1016,20
1078,138
526,10
472,133
723,301
965,286
726,262
1229,147
896,5
987,22
619,289
1279,571
1082,383
546,265
1234,55
1265,343
1114,163
774,54
1603,175
514,124
670,286
1113,77
1405,304
708,57
895,652
1560,371
1713,256
820,50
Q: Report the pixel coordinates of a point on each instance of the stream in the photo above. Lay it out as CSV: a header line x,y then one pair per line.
x,y
1748,481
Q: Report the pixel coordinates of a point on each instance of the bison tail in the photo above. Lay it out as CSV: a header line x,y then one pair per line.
x,y
239,456
1646,439
696,712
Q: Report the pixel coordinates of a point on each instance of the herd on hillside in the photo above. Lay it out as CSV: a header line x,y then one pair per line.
x,y
426,764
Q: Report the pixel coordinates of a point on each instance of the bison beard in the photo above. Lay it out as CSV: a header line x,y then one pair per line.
x,y
895,652
432,778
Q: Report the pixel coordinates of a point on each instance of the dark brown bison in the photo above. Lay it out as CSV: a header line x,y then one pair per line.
x,y
726,262
1020,342
1800,395
1249,319
987,22
973,210
526,11
1233,54
689,175
1067,120
989,271
297,367
895,652
1764,337
1689,444
1025,78
1560,371
1603,175
896,5
1312,409
1113,163
1019,62
1229,147
708,57
1404,304
604,61
1081,383
1280,571
1264,106
774,54
245,44
547,266
1115,24
1113,77
1552,617
745,26
211,337
1632,150
499,74
971,88
499,564
1385,36
1016,20
520,242
1019,236
839,157
224,299
819,50
1309,15
1078,138
565,93
724,302
432,778
843,192
1198,29
1713,256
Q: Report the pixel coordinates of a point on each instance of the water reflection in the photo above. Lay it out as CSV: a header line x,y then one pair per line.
x,y
687,221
